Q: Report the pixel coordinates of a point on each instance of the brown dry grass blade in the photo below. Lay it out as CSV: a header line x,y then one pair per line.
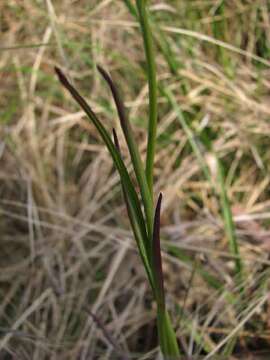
x,y
106,334
157,260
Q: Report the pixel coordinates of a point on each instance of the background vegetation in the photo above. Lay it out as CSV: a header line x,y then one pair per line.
x,y
66,247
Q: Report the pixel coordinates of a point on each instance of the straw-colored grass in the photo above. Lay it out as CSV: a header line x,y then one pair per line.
x,y
67,251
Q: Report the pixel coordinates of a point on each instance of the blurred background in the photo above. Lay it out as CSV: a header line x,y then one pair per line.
x,y
67,251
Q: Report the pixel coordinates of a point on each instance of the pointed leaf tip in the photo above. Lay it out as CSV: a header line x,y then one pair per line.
x,y
159,201
117,99
157,260
104,73
61,76
59,72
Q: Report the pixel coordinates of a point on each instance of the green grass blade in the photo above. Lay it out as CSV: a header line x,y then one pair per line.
x,y
210,279
119,164
141,243
163,44
229,347
152,85
225,205
133,150
228,221
191,138
131,8
167,337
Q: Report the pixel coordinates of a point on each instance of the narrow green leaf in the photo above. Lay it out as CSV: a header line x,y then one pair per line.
x,y
133,150
228,221
211,280
229,347
119,164
190,135
162,42
141,243
131,7
152,85
167,336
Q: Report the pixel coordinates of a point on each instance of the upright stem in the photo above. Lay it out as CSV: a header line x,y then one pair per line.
x,y
167,336
152,85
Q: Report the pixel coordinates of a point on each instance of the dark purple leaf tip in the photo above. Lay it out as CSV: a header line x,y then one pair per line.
x,y
104,73
157,260
116,96
62,78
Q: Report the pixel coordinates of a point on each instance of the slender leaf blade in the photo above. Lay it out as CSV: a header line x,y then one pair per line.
x,y
141,243
152,86
229,223
157,260
131,193
133,150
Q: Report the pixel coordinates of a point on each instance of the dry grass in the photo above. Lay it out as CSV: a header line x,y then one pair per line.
x,y
66,247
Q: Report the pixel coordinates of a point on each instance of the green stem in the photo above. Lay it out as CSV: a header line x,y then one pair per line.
x,y
167,337
152,85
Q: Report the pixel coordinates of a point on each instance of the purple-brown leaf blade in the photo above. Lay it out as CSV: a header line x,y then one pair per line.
x,y
156,259
116,141
117,98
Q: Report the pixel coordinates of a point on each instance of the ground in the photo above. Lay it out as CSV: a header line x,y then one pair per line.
x,y
72,284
